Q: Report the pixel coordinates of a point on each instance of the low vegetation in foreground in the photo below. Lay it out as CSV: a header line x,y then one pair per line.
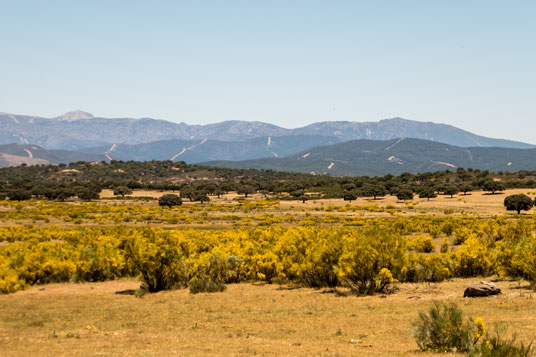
x,y
350,259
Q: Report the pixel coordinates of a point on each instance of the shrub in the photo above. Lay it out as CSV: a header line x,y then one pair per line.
x,y
421,244
473,259
217,267
444,329
368,260
425,268
445,245
320,260
9,281
159,258
518,259
498,346
169,200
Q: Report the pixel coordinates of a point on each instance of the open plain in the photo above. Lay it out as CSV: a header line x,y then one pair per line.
x,y
256,316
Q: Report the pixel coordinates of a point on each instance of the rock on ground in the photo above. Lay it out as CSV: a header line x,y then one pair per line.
x,y
481,288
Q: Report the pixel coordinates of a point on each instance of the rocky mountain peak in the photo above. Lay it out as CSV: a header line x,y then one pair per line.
x,y
75,115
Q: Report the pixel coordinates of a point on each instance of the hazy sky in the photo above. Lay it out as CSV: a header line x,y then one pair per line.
x,y
467,63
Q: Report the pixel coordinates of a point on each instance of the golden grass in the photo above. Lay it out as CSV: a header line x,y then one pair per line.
x,y
204,216
475,203
246,319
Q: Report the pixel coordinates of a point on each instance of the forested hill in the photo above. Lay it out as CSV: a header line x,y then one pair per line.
x,y
167,175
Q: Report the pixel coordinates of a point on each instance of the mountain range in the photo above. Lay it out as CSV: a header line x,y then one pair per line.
x,y
377,158
345,147
80,130
194,151
18,154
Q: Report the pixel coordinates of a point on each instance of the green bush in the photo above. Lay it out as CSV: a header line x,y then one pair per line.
x,y
518,259
425,268
444,329
498,346
216,266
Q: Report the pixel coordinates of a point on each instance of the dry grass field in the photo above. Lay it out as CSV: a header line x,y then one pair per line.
x,y
244,320
478,203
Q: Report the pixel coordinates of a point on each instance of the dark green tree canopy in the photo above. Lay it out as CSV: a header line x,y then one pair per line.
x,y
122,191
519,202
493,186
245,190
371,190
451,190
169,200
428,193
466,188
88,194
19,194
404,194
350,196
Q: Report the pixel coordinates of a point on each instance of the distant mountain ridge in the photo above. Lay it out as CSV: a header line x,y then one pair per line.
x,y
378,158
18,154
80,130
195,151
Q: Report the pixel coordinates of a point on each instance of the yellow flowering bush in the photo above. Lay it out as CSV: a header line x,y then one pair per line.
x,y
314,250
364,257
423,244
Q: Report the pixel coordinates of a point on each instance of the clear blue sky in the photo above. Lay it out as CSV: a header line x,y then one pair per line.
x,y
467,63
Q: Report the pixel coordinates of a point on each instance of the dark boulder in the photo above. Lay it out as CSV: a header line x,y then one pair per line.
x,y
481,288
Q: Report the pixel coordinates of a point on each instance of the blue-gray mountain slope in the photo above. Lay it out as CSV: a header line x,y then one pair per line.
x,y
373,158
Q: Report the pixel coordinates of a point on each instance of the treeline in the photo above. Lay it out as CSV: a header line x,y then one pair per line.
x,y
195,182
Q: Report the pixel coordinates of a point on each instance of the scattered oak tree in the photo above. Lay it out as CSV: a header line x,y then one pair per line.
x,y
350,196
122,191
493,186
19,194
451,190
88,194
466,188
373,191
519,202
428,193
169,200
245,190
404,194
